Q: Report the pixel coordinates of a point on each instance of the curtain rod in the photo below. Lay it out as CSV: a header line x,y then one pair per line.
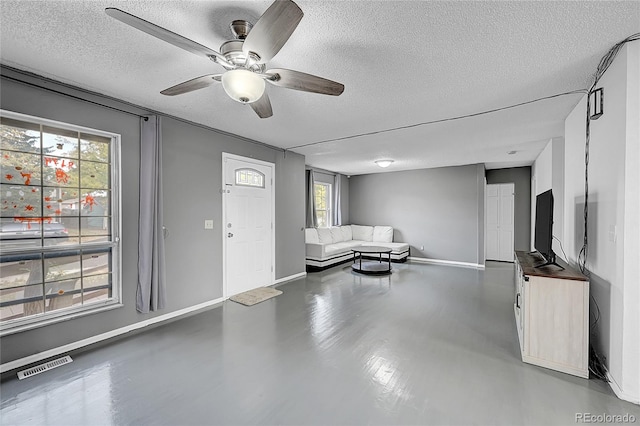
x,y
327,172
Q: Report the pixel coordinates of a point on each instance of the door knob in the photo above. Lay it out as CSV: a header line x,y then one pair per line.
x,y
229,235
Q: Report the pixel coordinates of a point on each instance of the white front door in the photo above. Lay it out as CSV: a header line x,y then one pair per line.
x,y
248,210
500,221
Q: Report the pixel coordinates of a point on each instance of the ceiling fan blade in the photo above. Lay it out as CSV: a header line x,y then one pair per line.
x,y
306,82
191,85
163,34
262,106
273,29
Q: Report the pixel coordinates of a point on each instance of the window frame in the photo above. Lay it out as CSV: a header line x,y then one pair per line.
x,y
329,203
115,301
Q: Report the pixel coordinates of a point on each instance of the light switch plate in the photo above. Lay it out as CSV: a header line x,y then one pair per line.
x,y
208,224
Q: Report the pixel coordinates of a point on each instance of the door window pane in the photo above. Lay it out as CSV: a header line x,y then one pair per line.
x,y
249,177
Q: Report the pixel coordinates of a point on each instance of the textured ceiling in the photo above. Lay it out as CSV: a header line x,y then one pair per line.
x,y
403,63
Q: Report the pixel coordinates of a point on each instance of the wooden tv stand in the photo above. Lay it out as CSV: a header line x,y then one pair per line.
x,y
552,315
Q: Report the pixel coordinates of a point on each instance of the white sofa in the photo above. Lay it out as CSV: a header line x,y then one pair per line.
x,y
326,247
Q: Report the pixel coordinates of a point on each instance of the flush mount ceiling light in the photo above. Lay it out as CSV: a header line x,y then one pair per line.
x,y
384,163
243,85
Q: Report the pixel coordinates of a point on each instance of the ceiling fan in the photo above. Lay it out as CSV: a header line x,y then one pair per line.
x,y
244,58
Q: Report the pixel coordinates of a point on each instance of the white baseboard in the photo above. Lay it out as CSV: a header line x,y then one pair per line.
x,y
620,393
290,278
446,262
104,336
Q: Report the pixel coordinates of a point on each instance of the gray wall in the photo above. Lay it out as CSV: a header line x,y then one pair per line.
x,y
521,178
192,181
441,209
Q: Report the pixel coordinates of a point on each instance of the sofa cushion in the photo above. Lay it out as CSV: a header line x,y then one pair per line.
x,y
383,234
347,235
324,235
311,236
343,247
363,233
336,234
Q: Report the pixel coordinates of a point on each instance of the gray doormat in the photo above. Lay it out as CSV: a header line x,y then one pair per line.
x,y
257,295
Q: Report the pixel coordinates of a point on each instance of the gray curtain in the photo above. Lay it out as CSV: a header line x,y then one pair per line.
x,y
337,200
151,268
312,220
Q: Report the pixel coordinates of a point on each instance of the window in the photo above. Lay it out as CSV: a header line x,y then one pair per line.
x,y
59,205
322,193
249,177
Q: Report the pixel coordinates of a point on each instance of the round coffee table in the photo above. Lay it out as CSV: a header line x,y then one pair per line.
x,y
371,266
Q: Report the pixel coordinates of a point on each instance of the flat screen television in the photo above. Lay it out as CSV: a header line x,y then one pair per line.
x,y
544,228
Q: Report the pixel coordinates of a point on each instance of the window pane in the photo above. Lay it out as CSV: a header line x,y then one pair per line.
x,y
96,288
95,203
60,172
323,221
62,266
94,148
322,192
56,204
95,264
94,175
19,136
20,270
249,177
20,168
20,201
97,281
63,294
93,296
63,231
59,142
21,302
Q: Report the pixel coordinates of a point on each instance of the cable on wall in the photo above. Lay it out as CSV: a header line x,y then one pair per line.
x,y
596,365
425,123
603,65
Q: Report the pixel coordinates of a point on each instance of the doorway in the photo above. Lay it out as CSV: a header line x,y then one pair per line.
x,y
248,205
500,221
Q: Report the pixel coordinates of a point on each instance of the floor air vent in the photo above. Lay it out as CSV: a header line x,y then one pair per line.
x,y
44,367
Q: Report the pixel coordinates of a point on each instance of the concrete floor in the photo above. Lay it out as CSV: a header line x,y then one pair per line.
x,y
427,345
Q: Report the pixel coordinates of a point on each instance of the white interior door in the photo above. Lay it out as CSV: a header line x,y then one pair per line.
x,y
248,210
500,221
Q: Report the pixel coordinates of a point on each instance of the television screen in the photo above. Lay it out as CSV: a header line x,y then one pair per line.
x,y
544,225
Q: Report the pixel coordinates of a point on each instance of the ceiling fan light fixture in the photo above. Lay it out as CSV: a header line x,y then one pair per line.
x,y
384,163
243,86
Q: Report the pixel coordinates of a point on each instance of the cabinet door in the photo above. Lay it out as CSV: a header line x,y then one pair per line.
x,y
556,332
518,304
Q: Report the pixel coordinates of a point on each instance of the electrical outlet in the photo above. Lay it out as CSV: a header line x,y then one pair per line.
x,y
208,224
